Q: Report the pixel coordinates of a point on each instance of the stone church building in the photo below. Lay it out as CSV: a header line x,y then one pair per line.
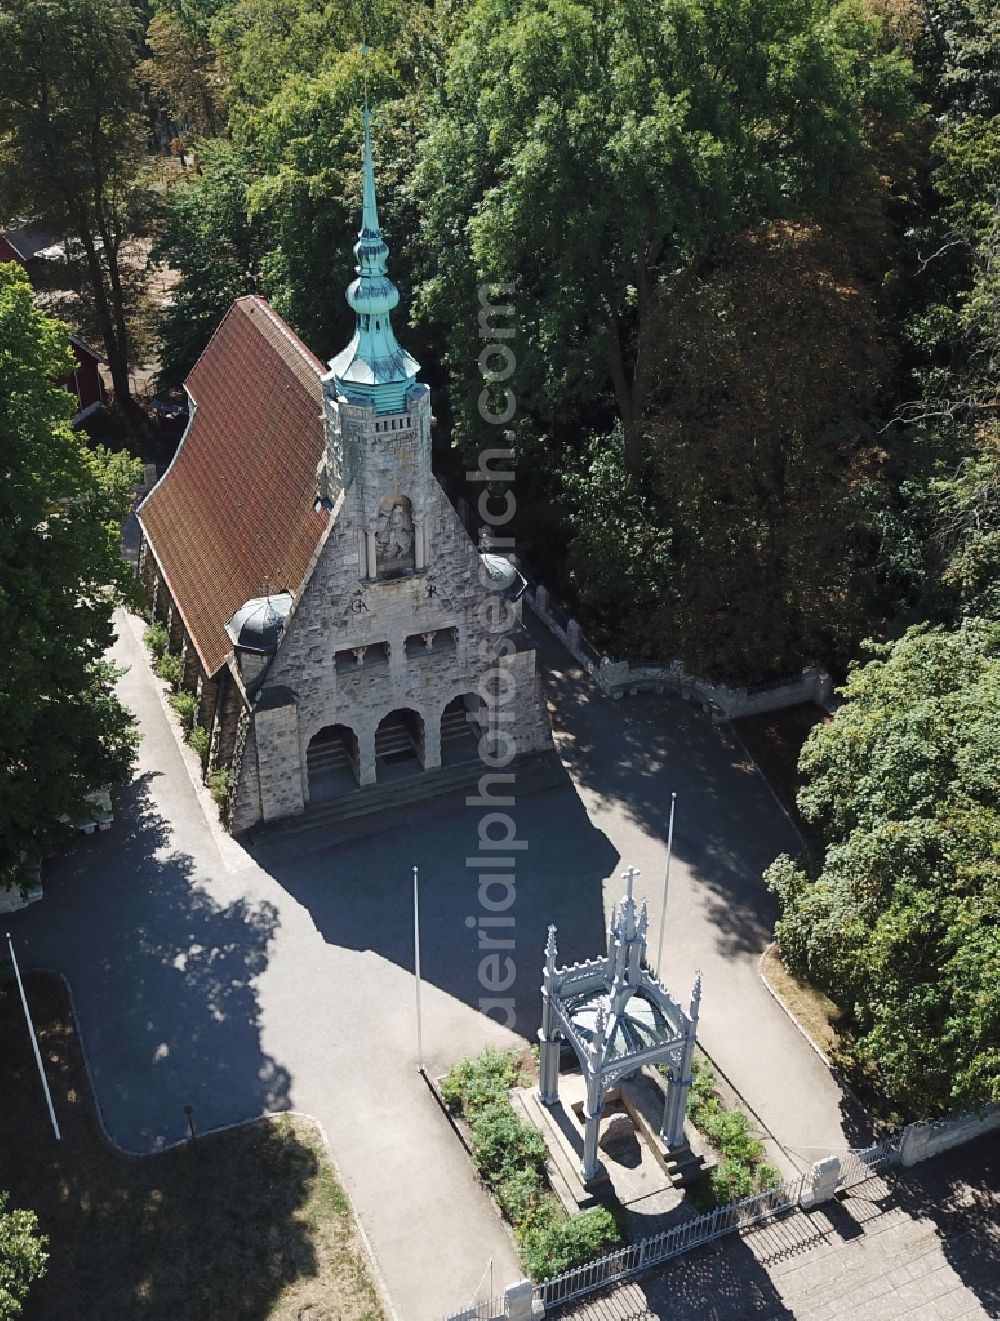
x,y
337,624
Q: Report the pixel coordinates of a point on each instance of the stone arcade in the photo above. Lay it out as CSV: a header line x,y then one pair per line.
x,y
337,623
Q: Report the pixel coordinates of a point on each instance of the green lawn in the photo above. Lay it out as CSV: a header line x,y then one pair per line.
x,y
247,1224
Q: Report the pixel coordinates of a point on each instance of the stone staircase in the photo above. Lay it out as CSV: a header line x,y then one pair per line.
x,y
328,757
644,1099
395,740
534,773
458,735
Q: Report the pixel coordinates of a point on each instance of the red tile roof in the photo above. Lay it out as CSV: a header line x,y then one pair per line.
x,y
233,515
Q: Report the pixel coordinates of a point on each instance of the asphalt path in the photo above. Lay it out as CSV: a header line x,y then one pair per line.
x,y
241,983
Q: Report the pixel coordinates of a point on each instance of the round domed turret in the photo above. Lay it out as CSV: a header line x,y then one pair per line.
x,y
257,625
502,575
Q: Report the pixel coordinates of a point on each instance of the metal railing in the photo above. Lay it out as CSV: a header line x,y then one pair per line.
x,y
617,1266
490,1309
857,1166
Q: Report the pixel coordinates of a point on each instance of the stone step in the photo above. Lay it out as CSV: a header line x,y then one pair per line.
x,y
563,1163
328,756
644,1101
456,728
534,773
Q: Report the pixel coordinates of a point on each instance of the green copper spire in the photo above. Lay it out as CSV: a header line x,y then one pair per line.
x,y
374,367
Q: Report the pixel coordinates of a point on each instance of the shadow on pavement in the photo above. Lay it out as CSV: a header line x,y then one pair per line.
x,y
359,894
215,1228
162,976
632,753
701,1285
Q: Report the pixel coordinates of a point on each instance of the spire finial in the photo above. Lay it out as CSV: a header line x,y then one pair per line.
x,y
374,368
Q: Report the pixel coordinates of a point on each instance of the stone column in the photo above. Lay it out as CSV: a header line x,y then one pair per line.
x,y
418,543
592,1113
548,1042
175,628
432,744
366,756
362,555
192,666
820,1183
372,566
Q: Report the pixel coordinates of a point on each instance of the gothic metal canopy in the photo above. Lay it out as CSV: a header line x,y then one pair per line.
x,y
613,1012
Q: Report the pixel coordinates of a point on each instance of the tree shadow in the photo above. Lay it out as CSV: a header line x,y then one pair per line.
x,y
215,1228
718,1282
635,751
162,976
959,1193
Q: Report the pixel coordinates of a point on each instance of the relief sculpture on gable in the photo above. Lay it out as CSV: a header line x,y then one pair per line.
x,y
394,534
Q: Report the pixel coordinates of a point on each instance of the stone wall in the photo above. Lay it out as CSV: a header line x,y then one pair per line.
x,y
616,678
339,613
933,1136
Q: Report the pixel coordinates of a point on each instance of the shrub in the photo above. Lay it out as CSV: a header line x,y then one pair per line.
x,y
472,1084
200,739
502,1144
157,639
741,1171
521,1196
549,1250
185,706
170,669
218,786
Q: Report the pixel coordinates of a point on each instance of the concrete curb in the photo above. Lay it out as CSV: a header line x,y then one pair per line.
x,y
780,1000
432,1087
261,1118
728,726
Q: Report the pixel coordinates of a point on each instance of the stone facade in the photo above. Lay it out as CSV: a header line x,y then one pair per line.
x,y
374,627
390,619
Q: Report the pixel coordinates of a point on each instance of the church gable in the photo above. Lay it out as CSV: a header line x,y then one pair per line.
x,y
235,516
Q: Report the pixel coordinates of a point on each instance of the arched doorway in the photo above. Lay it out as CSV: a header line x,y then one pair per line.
x,y
399,745
461,726
332,762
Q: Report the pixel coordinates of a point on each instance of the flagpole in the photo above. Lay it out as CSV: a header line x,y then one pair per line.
x,y
666,883
416,961
34,1041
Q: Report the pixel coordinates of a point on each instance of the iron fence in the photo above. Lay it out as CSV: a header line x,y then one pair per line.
x,y
490,1309
857,1166
617,1266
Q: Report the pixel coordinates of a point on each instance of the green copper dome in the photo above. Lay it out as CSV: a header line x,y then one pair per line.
x,y
374,368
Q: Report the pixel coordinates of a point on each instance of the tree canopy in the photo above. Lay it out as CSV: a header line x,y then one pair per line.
x,y
585,152
22,1257
63,732
71,139
897,916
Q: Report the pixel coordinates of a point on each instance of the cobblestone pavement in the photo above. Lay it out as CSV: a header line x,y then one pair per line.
x,y
923,1244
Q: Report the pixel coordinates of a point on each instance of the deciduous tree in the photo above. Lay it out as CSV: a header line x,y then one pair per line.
x,y
22,1257
62,730
585,152
897,915
71,138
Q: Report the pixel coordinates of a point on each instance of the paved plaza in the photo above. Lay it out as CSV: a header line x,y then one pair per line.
x,y
239,984
921,1244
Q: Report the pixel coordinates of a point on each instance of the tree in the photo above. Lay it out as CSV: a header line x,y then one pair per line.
x,y
584,152
207,237
22,1257
62,730
897,914
71,138
182,76
769,359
